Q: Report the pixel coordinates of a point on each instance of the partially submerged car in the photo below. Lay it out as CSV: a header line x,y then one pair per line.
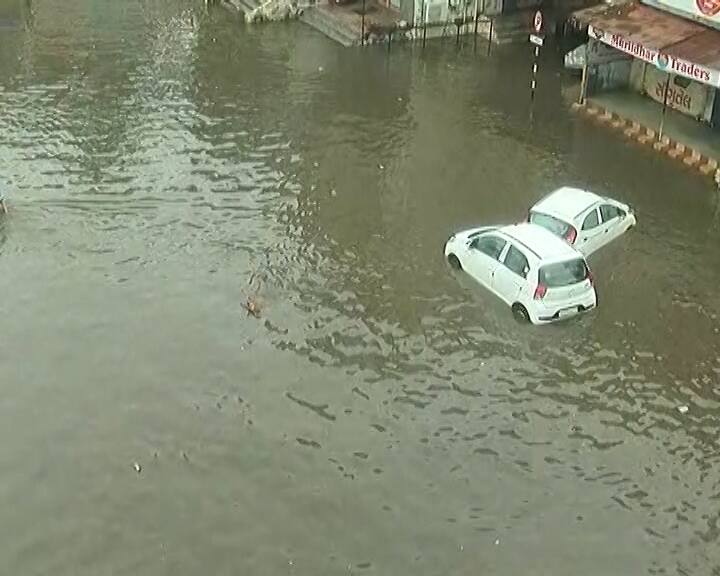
x,y
537,274
584,220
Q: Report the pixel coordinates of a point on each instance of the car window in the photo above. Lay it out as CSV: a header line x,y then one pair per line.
x,y
490,244
608,212
591,221
550,223
516,261
563,273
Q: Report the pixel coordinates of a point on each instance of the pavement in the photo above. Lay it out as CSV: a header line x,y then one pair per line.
x,y
678,127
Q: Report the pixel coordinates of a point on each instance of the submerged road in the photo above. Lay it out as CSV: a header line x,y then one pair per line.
x,y
382,415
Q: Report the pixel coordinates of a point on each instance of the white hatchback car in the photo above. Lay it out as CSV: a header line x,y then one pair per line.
x,y
585,220
536,273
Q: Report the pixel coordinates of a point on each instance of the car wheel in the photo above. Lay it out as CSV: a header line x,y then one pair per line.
x,y
454,262
520,313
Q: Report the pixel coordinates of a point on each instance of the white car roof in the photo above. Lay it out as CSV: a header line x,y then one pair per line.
x,y
567,202
540,242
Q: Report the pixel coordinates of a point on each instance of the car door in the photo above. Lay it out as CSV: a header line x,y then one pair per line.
x,y
483,257
612,221
591,233
509,278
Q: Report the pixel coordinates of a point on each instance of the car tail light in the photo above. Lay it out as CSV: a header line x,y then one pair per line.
x,y
589,276
571,235
540,291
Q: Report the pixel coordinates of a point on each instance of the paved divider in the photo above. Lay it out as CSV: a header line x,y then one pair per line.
x,y
649,137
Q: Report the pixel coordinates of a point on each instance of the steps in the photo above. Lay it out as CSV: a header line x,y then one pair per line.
x,y
333,28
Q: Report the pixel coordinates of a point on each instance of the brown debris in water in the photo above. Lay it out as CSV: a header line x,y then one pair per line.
x,y
252,307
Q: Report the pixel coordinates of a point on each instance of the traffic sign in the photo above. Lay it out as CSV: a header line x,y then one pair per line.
x,y
537,21
537,40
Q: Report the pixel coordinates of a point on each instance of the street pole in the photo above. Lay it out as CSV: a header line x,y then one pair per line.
x,y
533,82
584,82
583,85
489,46
664,108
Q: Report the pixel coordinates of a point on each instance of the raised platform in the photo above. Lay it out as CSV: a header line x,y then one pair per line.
x,y
343,22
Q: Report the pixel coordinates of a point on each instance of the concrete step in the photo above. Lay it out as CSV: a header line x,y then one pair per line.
x,y
330,27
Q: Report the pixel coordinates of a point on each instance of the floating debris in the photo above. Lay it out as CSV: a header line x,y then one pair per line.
x,y
683,409
252,307
137,467
333,192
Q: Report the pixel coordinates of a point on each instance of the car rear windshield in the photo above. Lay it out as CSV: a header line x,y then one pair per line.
x,y
563,273
550,223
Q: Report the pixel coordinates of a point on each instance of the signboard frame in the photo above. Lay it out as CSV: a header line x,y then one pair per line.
x,y
665,62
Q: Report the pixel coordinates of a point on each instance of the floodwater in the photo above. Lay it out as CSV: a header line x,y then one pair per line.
x,y
383,415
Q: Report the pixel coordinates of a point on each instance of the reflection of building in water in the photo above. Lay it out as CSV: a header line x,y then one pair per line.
x,y
355,122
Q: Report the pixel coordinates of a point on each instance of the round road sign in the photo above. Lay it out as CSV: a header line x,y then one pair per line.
x,y
537,21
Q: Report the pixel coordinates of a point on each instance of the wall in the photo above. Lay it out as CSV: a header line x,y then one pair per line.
x,y
686,96
716,110
691,98
407,10
437,11
609,76
637,75
518,5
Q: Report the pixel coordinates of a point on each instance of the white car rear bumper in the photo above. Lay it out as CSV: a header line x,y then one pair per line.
x,y
545,312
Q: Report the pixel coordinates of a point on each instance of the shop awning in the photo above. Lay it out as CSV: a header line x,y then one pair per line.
x,y
671,43
703,48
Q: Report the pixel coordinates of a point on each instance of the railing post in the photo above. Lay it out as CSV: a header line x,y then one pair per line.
x,y
362,25
424,17
490,35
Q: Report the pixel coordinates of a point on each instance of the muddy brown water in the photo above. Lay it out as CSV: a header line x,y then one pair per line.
x,y
383,415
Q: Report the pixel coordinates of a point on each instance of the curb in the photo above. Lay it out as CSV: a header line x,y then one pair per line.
x,y
649,137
